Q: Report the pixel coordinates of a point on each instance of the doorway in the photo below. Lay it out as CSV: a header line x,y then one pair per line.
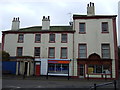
x,y
26,67
81,70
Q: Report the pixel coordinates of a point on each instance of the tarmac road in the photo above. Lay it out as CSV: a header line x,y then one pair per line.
x,y
52,82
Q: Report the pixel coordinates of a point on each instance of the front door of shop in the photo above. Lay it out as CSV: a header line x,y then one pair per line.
x,y
81,70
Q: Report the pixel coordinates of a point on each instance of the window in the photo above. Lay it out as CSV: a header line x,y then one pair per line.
x,y
51,53
58,68
52,38
82,51
20,38
37,37
105,51
64,38
37,51
104,27
82,28
64,52
99,69
19,51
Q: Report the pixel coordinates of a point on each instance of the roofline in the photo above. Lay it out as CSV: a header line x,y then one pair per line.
x,y
15,32
93,17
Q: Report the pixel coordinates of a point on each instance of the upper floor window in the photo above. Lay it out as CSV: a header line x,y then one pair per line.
x,y
51,53
52,38
104,27
64,52
37,51
82,52
64,38
19,51
20,38
82,28
37,38
105,51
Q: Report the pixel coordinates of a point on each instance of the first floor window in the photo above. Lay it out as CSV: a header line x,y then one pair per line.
x,y
64,52
52,38
37,37
82,51
105,51
37,52
51,52
64,38
19,51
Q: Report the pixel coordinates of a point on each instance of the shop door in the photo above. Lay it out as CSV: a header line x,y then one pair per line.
x,y
37,70
81,70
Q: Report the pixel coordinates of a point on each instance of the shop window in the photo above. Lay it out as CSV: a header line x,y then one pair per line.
x,y
58,68
98,69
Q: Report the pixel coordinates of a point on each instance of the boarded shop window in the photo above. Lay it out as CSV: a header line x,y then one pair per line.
x,y
19,51
37,37
51,52
64,38
105,51
20,38
37,52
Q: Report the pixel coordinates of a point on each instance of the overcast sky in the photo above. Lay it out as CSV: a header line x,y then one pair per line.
x,y
32,11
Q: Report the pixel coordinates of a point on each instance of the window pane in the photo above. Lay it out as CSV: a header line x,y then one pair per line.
x,y
19,51
64,37
63,52
37,38
37,51
20,38
104,27
52,37
82,51
51,52
82,27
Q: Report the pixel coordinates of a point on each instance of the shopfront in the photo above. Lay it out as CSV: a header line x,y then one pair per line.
x,y
58,67
94,67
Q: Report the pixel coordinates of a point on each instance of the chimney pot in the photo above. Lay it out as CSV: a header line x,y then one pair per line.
x,y
48,17
43,17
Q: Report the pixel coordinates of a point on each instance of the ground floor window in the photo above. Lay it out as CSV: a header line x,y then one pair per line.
x,y
99,69
58,68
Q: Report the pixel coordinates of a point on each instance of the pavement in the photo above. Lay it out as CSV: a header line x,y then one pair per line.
x,y
37,82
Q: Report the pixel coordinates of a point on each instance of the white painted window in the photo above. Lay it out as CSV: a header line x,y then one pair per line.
x,y
105,51
82,51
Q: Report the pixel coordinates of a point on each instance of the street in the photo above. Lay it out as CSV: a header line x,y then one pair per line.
x,y
18,82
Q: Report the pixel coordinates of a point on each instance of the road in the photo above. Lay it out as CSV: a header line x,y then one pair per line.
x,y
51,82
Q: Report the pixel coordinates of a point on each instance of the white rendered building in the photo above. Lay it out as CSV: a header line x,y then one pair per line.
x,y
85,49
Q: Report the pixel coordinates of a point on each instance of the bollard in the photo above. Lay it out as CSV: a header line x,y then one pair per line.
x,y
94,86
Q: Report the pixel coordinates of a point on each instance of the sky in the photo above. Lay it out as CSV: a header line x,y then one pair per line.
x,y
31,12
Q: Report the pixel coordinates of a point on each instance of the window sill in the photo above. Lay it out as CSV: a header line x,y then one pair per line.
x,y
82,32
51,41
104,32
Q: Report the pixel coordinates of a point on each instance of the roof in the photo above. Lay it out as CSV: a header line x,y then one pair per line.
x,y
39,29
76,16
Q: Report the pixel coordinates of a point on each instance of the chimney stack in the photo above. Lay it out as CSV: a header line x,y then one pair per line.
x,y
15,24
46,23
90,9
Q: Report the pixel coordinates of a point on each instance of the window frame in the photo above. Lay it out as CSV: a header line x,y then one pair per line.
x,y
50,38
107,27
36,37
49,52
20,41
108,50
21,51
84,28
85,50
62,38
66,53
35,52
